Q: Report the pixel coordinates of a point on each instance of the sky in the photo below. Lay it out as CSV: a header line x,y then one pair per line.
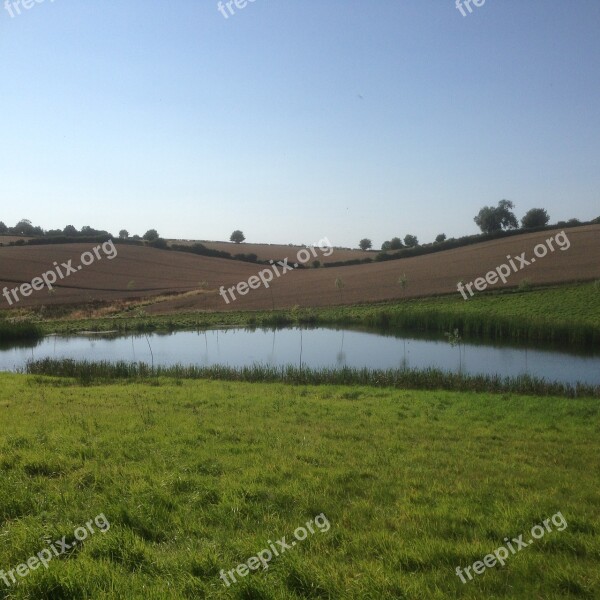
x,y
297,120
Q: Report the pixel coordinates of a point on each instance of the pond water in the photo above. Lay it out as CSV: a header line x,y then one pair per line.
x,y
313,347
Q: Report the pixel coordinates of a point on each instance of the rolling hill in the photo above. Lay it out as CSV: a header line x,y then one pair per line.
x,y
189,282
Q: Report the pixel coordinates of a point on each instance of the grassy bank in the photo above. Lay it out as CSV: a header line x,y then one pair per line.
x,y
566,314
426,379
197,476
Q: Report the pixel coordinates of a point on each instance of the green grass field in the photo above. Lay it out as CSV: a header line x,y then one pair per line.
x,y
568,312
196,476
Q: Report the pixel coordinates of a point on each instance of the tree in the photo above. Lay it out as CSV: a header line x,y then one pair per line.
x,y
159,243
123,234
536,217
365,244
151,235
70,230
491,219
90,231
24,227
237,236
386,246
396,243
411,241
339,284
3,228
440,238
454,339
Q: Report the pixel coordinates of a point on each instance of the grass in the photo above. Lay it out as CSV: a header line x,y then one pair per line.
x,y
86,373
195,476
565,314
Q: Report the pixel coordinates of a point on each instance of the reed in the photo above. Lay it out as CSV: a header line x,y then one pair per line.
x,y
87,372
475,326
10,331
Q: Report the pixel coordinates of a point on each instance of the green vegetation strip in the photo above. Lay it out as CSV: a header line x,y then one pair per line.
x,y
197,476
428,379
567,314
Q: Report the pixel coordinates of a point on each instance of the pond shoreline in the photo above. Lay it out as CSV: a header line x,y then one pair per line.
x,y
314,347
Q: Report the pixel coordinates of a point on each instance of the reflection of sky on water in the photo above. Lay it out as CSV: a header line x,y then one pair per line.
x,y
316,348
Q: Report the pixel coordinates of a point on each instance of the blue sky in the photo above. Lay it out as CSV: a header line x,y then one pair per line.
x,y
298,120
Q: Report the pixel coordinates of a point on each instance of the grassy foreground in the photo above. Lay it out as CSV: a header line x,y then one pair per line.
x,y
196,476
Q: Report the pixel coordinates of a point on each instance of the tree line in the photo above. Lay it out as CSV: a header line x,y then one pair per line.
x,y
25,228
490,219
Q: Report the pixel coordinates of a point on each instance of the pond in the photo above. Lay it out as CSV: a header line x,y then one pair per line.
x,y
313,347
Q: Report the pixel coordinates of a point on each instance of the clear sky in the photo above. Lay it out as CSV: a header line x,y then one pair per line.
x,y
297,120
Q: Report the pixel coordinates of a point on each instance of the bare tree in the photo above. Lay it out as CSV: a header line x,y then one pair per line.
x,y
339,284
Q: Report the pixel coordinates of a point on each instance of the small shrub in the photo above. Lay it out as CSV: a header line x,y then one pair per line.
x,y
525,285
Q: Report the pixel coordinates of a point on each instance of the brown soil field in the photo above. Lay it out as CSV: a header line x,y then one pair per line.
x,y
136,272
280,251
139,272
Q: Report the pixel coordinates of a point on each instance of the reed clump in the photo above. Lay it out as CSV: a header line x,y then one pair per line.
x,y
88,373
14,331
